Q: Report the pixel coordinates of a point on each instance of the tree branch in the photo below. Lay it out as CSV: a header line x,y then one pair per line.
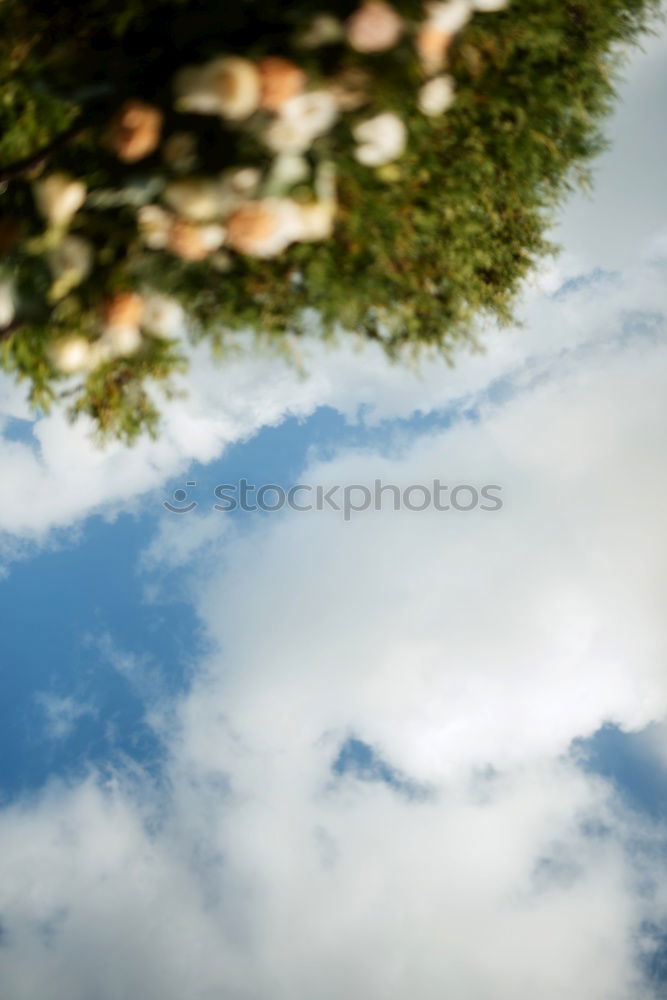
x,y
14,170
7,331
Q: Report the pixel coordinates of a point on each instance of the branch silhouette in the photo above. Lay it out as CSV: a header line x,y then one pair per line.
x,y
21,167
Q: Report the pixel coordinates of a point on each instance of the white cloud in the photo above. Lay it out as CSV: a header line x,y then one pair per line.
x,y
60,477
451,642
652,743
436,634
290,890
61,714
625,207
177,542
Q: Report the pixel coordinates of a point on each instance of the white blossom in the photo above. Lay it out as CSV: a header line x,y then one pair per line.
x,y
316,111
489,6
123,309
212,236
71,355
264,228
194,242
437,96
134,131
432,44
242,180
287,137
7,307
280,79
163,316
288,169
373,27
58,198
235,186
101,352
381,139
449,16
316,220
70,263
228,86
154,226
301,120
122,340
197,199
207,199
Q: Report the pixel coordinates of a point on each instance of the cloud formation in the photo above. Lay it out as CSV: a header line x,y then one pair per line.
x,y
469,650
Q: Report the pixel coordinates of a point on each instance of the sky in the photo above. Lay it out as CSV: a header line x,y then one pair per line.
x,y
294,755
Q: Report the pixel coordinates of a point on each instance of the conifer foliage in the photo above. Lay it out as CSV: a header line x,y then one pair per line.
x,y
171,166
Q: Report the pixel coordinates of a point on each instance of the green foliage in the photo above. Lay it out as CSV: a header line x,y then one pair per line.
x,y
422,247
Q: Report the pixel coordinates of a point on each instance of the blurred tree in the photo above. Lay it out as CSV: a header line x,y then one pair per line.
x,y
168,166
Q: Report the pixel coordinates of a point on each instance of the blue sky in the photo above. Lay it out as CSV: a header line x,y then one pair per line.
x,y
258,755
91,586
83,609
